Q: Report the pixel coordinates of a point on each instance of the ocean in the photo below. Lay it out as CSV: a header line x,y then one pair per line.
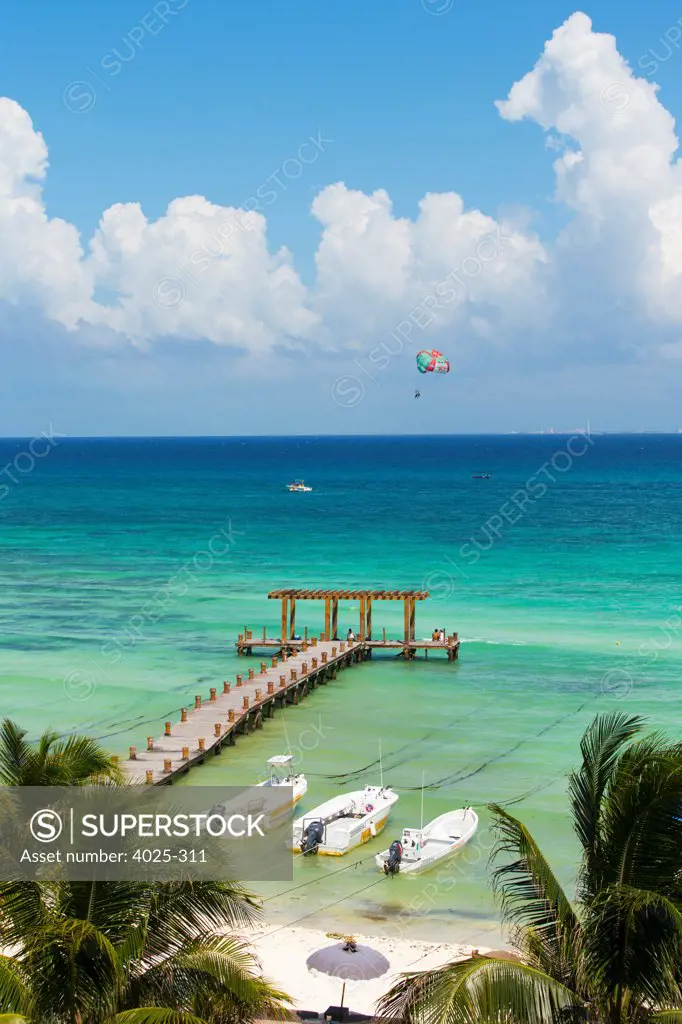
x,y
129,566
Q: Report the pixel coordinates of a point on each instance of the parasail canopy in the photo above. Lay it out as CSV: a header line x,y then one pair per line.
x,y
432,361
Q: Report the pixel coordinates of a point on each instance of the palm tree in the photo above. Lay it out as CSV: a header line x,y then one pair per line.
x,y
614,953
52,761
129,953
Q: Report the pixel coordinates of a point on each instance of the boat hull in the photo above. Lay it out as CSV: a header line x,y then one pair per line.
x,y
345,832
291,796
437,846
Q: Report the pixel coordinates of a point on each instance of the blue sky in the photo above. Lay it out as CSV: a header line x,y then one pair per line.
x,y
211,103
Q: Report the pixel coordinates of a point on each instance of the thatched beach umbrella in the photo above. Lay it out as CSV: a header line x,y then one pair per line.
x,y
350,961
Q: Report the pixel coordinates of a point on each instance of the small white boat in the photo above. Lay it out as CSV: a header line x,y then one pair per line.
x,y
298,485
421,848
282,790
293,785
344,822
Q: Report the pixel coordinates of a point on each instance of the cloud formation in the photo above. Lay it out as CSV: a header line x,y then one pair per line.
x,y
204,272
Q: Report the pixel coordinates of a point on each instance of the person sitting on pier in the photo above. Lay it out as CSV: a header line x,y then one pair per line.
x,y
441,636
435,635
351,636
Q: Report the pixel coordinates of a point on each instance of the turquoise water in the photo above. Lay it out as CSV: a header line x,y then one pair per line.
x,y
120,601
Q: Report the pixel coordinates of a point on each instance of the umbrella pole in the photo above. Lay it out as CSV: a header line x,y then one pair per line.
x,y
343,992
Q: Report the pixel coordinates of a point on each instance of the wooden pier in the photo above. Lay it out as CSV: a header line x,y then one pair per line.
x,y
240,708
299,665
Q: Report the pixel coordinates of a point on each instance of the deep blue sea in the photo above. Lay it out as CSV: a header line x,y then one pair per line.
x,y
129,566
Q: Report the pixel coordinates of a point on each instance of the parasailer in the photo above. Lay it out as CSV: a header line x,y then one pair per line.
x,y
432,361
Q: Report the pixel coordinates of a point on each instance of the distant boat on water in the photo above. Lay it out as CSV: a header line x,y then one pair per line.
x,y
480,476
298,485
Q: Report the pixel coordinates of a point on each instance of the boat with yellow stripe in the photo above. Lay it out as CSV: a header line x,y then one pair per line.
x,y
344,822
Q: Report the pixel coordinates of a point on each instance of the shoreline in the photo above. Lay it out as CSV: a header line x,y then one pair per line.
x,y
282,953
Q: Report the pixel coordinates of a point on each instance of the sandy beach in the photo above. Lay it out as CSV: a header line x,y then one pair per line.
x,y
283,953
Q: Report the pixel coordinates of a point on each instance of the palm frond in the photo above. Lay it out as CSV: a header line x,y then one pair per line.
x,y
15,753
600,746
633,944
81,760
480,990
156,1015
15,994
218,973
640,823
545,925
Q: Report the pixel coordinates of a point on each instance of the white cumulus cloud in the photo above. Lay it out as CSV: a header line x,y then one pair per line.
x,y
207,272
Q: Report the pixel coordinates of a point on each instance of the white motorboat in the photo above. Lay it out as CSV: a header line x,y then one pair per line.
x,y
293,785
298,485
421,848
344,822
281,791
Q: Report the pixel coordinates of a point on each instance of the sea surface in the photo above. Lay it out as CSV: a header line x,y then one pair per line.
x,y
129,566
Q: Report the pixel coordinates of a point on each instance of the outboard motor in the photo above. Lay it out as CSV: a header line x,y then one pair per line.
x,y
312,837
395,855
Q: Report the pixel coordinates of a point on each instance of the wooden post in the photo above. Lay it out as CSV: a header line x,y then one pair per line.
x,y
383,634
150,742
197,701
327,619
369,618
335,618
406,621
183,715
265,635
282,682
362,618
231,715
202,743
185,753
167,766
226,687
292,617
212,692
245,702
413,606
305,633
149,780
132,753
263,667
168,729
285,629
216,729
239,680
271,686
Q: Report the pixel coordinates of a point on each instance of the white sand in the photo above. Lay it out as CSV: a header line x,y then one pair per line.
x,y
283,953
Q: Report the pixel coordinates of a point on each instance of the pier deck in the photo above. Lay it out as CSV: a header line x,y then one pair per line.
x,y
215,722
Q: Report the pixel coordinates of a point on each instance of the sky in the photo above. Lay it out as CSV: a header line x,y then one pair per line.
x,y
248,218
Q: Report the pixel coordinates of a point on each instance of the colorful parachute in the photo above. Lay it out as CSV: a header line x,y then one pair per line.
x,y
431,361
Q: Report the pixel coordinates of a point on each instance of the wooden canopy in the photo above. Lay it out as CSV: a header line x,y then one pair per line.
x,y
331,599
351,595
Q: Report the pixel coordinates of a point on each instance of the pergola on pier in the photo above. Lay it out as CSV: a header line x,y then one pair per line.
x,y
331,600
